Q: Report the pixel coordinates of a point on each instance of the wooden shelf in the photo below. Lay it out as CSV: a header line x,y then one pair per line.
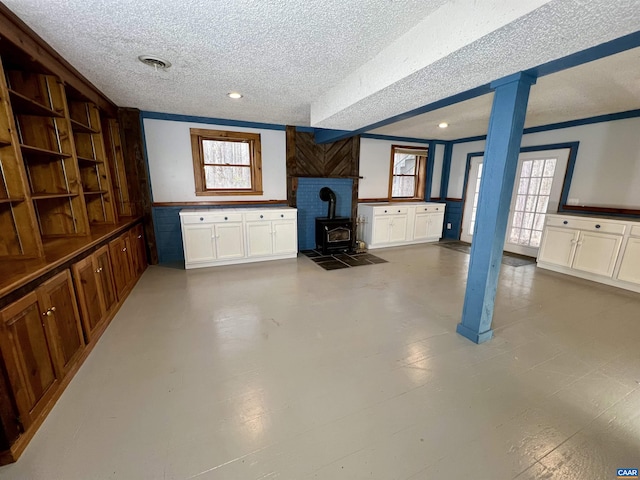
x,y
5,143
91,161
24,105
95,192
79,127
47,196
11,200
42,153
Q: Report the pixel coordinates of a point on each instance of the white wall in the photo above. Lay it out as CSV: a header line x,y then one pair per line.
x,y
375,158
171,164
438,157
607,170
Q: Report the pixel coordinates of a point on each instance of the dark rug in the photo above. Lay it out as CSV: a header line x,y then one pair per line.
x,y
342,260
508,258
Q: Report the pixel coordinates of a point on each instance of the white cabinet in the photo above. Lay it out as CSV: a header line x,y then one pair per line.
x,y
630,262
591,248
227,236
389,224
271,233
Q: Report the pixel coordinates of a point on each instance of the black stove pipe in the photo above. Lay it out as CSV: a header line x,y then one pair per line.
x,y
328,195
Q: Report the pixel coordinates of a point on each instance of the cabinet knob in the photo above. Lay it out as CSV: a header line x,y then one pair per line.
x,y
226,218
598,226
282,215
565,223
99,270
49,312
124,249
201,219
385,211
398,211
261,216
139,236
437,208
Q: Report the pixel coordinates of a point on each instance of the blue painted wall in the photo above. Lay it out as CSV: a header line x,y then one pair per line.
x,y
453,215
310,206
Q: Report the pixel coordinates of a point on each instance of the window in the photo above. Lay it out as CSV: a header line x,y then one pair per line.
x,y
226,163
408,171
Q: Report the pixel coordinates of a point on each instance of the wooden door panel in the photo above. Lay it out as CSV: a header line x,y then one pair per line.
x,y
105,278
56,296
120,263
91,304
25,350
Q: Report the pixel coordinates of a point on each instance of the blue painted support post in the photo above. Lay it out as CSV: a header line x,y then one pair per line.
x,y
498,176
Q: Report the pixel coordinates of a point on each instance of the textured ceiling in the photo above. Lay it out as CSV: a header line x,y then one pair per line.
x,y
608,85
343,64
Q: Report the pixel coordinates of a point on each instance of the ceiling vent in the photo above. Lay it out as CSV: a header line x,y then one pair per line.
x,y
155,62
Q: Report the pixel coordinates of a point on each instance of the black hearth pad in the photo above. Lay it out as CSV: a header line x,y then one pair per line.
x,y
342,260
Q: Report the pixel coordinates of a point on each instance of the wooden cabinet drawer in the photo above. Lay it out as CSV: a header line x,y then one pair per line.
x,y
270,215
429,209
591,224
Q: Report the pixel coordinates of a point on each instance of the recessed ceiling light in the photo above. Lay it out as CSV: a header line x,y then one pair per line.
x,y
155,62
443,125
234,95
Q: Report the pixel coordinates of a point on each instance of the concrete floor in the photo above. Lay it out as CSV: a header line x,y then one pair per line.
x,y
285,370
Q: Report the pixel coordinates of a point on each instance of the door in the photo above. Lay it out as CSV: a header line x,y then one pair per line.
x,y
398,228
25,350
259,238
105,277
199,243
86,278
121,263
434,225
558,246
285,239
229,240
630,265
56,297
421,226
138,250
381,229
537,191
597,253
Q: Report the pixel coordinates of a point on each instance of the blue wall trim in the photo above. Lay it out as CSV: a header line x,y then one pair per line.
x,y
211,121
429,167
446,170
393,138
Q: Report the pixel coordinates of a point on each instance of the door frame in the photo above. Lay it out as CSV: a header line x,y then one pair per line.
x,y
566,184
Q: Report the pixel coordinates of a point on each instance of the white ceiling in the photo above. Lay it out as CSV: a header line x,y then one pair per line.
x,y
334,63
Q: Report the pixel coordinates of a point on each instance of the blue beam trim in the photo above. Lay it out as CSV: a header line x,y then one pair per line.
x,y
393,138
429,180
210,121
322,135
501,161
446,170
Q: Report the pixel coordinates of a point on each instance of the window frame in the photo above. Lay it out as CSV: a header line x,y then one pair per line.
x,y
255,160
420,173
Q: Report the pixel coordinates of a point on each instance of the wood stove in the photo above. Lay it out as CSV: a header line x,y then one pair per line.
x,y
333,234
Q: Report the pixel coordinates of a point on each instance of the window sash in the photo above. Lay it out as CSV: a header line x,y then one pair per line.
x,y
419,172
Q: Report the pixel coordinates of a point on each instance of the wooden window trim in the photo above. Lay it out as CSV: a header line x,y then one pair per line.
x,y
199,134
420,175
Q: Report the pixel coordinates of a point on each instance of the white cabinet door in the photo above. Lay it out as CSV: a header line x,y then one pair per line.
x,y
285,238
259,239
199,245
229,240
558,246
630,265
398,228
434,225
597,253
421,226
381,228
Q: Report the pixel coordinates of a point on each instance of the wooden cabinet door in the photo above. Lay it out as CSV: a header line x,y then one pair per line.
x,y
138,250
122,272
285,238
597,253
25,350
62,321
558,246
630,265
102,260
88,287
